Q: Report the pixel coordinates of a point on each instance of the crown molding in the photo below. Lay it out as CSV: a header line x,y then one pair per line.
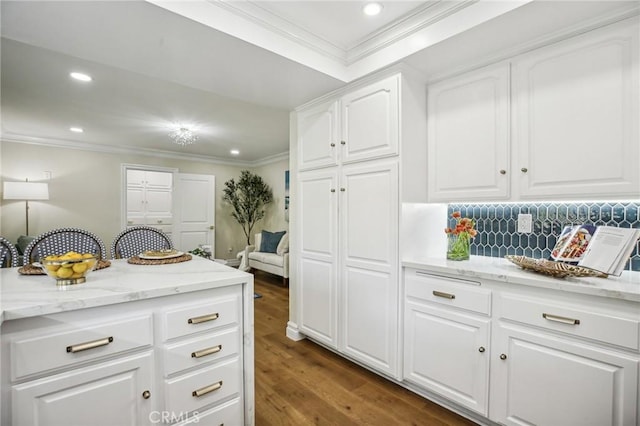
x,y
405,26
109,149
548,39
417,30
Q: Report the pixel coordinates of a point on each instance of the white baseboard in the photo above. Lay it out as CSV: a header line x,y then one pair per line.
x,y
293,333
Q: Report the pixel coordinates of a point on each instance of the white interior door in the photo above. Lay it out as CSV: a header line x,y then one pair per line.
x,y
194,211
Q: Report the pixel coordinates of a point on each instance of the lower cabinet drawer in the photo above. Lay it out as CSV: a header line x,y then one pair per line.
x,y
201,350
571,320
461,294
74,344
229,414
200,389
205,316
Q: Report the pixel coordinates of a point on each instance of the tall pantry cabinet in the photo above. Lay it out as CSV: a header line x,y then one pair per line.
x,y
353,149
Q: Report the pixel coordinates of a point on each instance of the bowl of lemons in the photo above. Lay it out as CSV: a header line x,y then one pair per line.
x,y
69,268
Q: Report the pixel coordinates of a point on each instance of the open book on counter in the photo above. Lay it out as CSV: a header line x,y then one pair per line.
x,y
603,248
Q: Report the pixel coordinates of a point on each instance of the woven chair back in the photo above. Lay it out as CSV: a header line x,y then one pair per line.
x,y
62,240
8,254
135,240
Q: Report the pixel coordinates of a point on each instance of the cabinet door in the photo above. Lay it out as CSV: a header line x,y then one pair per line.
x,y
158,180
135,202
369,263
468,136
317,264
544,380
110,393
370,120
447,352
577,107
158,202
318,138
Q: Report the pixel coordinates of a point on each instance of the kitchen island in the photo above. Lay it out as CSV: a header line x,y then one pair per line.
x,y
135,344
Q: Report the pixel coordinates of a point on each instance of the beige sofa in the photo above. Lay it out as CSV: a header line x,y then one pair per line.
x,y
274,263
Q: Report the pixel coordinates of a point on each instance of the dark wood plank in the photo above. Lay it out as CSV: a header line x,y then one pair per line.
x,y
302,383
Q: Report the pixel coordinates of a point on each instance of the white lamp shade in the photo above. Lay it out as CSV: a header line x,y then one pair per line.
x,y
25,191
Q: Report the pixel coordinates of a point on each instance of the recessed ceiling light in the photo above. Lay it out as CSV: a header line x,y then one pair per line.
x,y
372,9
234,152
80,76
76,129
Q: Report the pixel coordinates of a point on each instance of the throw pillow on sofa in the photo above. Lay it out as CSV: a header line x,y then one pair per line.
x,y
283,245
269,241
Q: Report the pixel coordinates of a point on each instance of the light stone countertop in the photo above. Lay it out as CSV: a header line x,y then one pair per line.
x,y
33,295
625,287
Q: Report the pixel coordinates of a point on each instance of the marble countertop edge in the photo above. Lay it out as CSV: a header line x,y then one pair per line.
x,y
625,287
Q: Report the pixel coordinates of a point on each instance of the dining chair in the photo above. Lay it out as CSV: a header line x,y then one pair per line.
x,y
8,254
62,240
136,239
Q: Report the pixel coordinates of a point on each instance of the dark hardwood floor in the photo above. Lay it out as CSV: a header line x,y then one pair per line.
x,y
301,383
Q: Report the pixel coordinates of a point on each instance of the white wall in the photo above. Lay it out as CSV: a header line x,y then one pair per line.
x,y
85,191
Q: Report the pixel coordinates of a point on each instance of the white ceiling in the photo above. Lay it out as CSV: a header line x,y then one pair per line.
x,y
233,69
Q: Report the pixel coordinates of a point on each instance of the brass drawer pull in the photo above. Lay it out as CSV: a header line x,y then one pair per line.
x,y
207,389
442,294
205,352
563,320
146,394
203,318
89,345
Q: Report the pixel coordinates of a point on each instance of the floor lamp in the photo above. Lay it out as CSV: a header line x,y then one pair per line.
x,y
26,191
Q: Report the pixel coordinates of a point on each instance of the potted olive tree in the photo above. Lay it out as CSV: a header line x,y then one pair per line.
x,y
248,197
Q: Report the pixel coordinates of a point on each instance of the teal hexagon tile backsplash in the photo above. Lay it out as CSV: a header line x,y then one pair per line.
x,y
497,225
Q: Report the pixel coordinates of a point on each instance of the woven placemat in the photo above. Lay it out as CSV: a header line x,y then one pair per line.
x,y
135,260
36,270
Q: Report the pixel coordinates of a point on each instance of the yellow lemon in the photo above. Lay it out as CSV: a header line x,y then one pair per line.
x,y
64,272
52,268
76,275
79,267
87,255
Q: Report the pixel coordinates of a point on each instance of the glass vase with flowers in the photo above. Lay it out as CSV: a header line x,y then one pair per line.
x,y
459,237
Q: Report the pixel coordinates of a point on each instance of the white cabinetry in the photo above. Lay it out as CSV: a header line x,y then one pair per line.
x,y
571,109
469,136
361,125
519,355
149,199
576,107
542,374
129,363
446,338
349,195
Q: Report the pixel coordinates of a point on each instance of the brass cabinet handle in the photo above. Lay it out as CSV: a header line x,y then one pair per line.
x,y
333,190
524,170
89,345
332,144
503,172
558,318
342,189
203,318
205,352
343,143
481,349
442,294
146,394
503,356
207,389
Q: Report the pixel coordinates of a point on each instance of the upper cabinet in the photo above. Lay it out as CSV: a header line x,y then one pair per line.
x,y
468,134
576,117
561,123
370,121
318,137
361,125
